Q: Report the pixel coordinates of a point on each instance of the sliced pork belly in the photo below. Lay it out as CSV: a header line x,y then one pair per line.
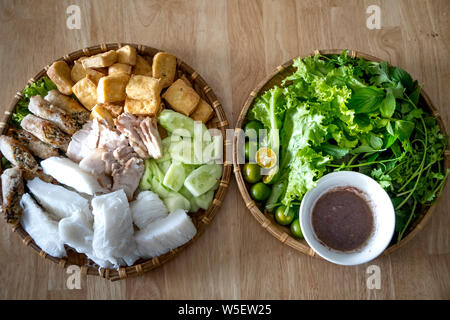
x,y
83,142
94,164
127,177
129,126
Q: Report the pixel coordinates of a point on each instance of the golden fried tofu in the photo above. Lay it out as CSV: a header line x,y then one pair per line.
x,y
86,92
100,60
119,68
143,87
142,67
181,97
143,107
127,54
100,113
59,73
77,73
114,109
186,80
164,68
112,88
203,112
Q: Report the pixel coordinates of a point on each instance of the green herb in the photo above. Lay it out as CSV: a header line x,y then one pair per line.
x,y
338,113
40,87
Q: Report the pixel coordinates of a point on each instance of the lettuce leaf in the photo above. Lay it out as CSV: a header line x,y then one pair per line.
x,y
40,87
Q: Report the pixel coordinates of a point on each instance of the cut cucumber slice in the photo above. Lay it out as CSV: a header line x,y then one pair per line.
x,y
204,201
202,179
185,193
177,201
175,176
165,144
178,124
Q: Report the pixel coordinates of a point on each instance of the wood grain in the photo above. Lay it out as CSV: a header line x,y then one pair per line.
x,y
233,45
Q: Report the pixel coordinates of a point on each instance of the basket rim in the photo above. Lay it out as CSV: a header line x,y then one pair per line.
x,y
278,231
203,219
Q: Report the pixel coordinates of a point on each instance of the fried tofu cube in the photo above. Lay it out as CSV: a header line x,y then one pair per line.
x,y
143,107
100,113
186,80
143,87
164,68
100,60
142,67
119,68
86,91
77,73
114,109
181,97
203,112
59,73
112,88
127,54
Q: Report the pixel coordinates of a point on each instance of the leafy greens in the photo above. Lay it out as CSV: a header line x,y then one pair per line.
x,y
40,87
339,113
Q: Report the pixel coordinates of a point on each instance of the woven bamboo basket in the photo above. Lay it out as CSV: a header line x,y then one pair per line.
x,y
266,220
201,218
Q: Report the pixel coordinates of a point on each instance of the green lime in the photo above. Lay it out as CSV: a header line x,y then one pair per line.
x,y
282,217
251,148
252,172
252,128
296,229
271,176
260,191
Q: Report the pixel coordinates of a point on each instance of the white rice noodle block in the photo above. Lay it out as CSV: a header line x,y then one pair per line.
x,y
57,200
67,172
147,208
165,234
42,228
113,229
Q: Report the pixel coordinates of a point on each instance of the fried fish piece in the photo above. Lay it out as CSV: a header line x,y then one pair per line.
x,y
43,109
17,154
46,131
12,191
34,145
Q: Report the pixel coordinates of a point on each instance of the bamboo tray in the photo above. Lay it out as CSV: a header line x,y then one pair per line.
x,y
201,218
266,220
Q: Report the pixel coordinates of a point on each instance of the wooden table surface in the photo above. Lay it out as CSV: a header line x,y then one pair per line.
x,y
233,45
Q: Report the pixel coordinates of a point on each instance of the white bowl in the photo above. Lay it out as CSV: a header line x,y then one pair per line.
x,y
378,200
